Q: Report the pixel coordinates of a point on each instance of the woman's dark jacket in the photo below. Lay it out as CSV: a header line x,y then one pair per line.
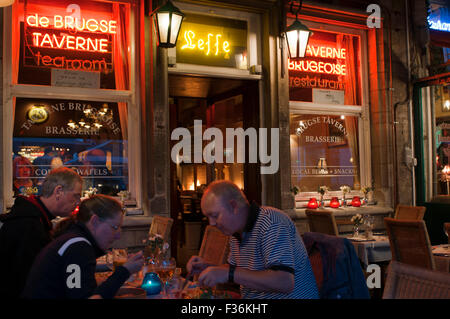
x,y
66,269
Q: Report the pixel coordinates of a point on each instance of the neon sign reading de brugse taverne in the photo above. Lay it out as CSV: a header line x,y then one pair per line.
x,y
71,42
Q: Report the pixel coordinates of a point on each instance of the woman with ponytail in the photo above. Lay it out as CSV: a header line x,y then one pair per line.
x,y
66,267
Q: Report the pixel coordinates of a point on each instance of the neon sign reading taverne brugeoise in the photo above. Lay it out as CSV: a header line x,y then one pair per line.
x,y
306,65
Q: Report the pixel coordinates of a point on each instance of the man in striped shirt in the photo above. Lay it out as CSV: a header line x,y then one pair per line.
x,y
267,256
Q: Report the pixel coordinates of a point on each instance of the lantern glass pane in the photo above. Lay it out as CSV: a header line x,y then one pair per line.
x,y
163,26
292,38
303,41
176,24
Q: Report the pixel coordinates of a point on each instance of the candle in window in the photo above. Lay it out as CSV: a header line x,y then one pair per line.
x,y
313,203
356,202
334,203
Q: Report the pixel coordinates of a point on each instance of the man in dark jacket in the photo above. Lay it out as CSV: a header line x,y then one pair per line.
x,y
27,228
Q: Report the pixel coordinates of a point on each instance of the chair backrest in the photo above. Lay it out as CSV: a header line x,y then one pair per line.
x,y
447,230
321,221
215,246
336,267
409,212
409,242
161,226
410,282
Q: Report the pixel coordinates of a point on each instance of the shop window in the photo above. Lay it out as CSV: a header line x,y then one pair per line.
x,y
328,131
324,151
89,137
84,56
330,71
59,43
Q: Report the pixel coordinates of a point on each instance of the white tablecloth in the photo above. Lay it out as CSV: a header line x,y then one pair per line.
x,y
373,251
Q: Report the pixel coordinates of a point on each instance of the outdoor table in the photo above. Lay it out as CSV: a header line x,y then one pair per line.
x,y
441,255
129,288
378,250
372,251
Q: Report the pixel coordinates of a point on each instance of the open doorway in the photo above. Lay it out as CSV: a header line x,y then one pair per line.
x,y
218,103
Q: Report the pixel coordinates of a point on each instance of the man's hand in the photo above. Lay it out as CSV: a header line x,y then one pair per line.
x,y
214,275
196,265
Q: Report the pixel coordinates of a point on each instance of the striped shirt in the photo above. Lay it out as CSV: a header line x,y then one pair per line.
x,y
272,242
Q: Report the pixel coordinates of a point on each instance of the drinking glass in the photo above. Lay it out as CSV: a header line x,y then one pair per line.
x,y
165,269
369,223
120,257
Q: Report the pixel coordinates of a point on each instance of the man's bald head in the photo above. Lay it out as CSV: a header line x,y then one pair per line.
x,y
226,207
224,191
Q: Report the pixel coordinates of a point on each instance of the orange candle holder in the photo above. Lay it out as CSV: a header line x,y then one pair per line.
x,y
334,203
312,203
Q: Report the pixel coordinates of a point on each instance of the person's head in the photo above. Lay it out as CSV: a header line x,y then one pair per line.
x,y
61,191
226,207
22,167
103,216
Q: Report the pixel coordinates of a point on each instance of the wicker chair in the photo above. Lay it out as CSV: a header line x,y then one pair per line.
x,y
410,282
447,230
161,226
321,221
409,242
215,247
409,212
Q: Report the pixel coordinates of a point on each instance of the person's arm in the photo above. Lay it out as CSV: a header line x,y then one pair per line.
x,y
264,280
108,289
196,265
79,271
277,255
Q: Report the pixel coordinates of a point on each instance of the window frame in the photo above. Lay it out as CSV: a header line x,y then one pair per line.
x,y
362,112
131,97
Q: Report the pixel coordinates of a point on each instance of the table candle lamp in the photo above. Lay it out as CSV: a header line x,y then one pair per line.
x,y
312,203
334,203
151,283
356,202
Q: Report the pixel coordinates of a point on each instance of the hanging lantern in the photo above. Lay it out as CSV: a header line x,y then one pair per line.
x,y
312,203
168,24
356,202
334,203
297,36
